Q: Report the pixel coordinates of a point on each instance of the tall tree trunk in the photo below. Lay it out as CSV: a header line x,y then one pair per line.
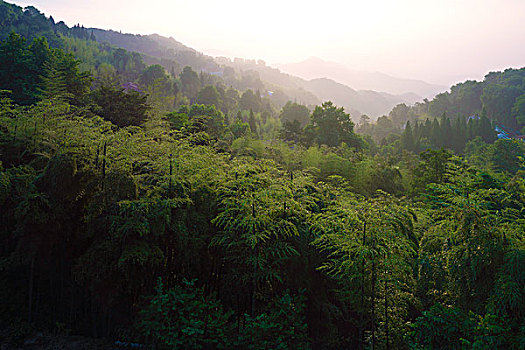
x,y
386,307
34,135
37,291
30,297
255,259
238,313
61,293
373,294
93,316
254,281
362,314
96,157
104,162
171,173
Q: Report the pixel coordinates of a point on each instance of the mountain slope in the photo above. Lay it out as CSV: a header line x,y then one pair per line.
x,y
173,55
309,92
154,45
372,103
313,68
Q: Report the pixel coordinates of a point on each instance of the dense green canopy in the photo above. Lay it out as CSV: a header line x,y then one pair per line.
x,y
175,212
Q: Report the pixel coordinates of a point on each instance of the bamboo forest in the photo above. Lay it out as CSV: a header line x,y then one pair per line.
x,y
148,202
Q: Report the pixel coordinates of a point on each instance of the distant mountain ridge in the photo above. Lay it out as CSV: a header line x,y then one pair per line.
x,y
173,56
156,49
313,68
154,44
372,103
357,102
369,102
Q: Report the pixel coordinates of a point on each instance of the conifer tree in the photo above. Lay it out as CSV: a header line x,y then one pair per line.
x,y
427,129
436,136
407,138
252,123
53,81
446,132
486,131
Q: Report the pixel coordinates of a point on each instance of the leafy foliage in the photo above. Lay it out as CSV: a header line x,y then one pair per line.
x,y
182,318
119,107
129,213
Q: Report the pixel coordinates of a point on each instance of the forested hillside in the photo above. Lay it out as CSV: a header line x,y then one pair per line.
x,y
181,210
174,56
455,117
500,96
309,92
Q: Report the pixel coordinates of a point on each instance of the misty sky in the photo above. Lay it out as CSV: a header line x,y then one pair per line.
x,y
443,41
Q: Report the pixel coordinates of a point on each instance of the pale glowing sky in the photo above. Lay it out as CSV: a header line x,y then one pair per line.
x,y
440,41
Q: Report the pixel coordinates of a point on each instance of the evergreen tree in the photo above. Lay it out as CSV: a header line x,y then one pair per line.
x,y
252,123
459,135
190,82
293,111
119,107
427,129
407,138
333,126
436,136
209,95
16,74
472,129
486,131
447,134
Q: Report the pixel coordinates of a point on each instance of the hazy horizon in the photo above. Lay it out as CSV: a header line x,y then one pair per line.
x,y
439,43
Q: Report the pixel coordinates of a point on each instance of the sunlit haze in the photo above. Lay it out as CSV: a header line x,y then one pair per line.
x,y
437,41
